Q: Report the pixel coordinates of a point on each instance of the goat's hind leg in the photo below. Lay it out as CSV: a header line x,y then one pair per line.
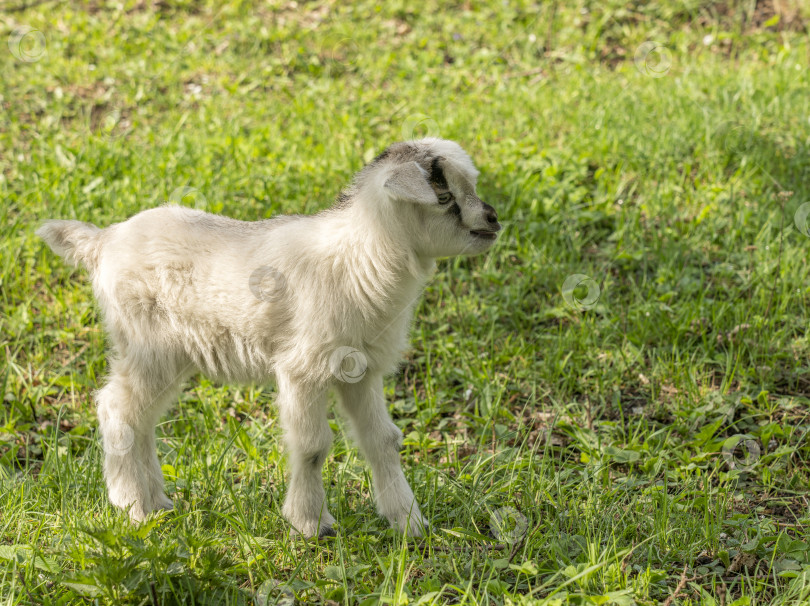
x,y
137,393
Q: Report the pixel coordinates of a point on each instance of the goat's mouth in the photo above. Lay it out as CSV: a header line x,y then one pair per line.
x,y
482,233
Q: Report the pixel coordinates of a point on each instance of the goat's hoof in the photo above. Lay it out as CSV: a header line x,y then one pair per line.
x,y
137,513
418,531
415,526
317,532
164,502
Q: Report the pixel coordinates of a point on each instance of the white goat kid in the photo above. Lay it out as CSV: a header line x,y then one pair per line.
x,y
313,301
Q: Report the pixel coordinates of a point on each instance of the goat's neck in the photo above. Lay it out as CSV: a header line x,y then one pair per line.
x,y
381,260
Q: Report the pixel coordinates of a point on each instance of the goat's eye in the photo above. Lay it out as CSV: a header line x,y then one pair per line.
x,y
445,197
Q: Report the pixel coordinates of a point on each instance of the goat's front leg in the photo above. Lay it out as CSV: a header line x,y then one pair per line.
x,y
302,409
381,440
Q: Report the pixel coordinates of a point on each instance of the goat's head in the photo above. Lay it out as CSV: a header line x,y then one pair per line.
x,y
430,185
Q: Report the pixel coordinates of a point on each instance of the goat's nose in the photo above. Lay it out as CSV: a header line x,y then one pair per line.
x,y
491,216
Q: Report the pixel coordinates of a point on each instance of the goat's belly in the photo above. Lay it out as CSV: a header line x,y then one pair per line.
x,y
225,354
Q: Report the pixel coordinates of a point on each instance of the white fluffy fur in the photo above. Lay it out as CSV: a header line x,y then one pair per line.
x,y
183,291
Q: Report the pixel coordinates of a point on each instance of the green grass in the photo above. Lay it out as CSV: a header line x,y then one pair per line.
x,y
595,432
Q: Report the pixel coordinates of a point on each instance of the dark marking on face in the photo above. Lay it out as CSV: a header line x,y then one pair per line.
x,y
454,209
380,157
342,200
437,175
396,153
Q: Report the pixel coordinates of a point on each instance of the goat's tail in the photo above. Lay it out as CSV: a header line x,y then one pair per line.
x,y
74,241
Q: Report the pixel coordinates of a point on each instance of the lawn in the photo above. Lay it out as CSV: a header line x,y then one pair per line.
x,y
610,407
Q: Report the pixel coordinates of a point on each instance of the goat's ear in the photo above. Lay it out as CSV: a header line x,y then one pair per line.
x,y
410,182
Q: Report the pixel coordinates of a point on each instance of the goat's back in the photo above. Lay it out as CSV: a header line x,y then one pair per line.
x,y
176,279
